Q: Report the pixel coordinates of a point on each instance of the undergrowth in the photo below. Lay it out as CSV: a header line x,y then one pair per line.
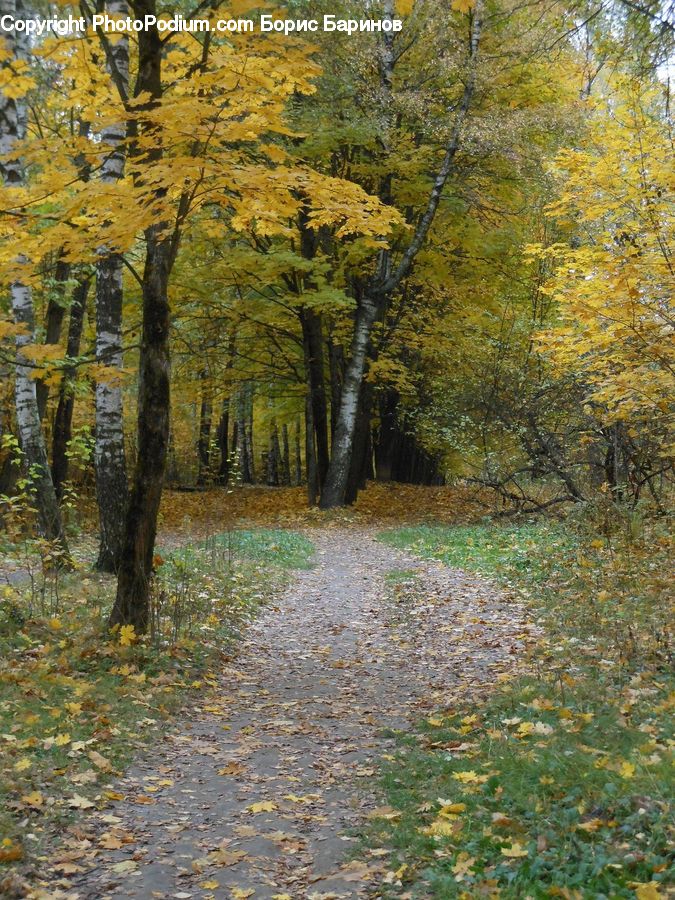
x,y
558,785
76,702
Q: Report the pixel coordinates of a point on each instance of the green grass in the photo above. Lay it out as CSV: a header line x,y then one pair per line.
x,y
400,576
68,688
569,767
286,549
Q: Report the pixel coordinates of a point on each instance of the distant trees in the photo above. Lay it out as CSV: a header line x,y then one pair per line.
x,y
313,261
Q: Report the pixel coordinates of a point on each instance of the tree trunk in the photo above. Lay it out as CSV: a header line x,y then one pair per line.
x,y
63,420
297,480
388,278
361,463
31,436
204,442
132,603
248,430
135,570
222,439
285,457
242,437
334,492
310,454
312,335
336,364
53,324
112,490
386,444
274,457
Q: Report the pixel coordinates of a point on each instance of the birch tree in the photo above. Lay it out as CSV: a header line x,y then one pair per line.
x,y
375,295
109,456
12,132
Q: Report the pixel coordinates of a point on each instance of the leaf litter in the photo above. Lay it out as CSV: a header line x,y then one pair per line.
x,y
259,792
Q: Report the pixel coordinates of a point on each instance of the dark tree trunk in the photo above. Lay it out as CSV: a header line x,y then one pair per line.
x,y
135,571
53,324
244,433
132,603
310,454
387,434
204,442
297,479
63,420
312,334
274,457
285,456
223,448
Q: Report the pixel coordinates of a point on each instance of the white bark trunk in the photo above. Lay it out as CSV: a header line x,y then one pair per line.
x,y
31,436
109,455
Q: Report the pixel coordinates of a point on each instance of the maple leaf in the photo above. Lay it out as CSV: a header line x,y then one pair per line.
x,y
470,777
463,6
463,866
647,891
515,851
627,770
34,799
262,806
127,635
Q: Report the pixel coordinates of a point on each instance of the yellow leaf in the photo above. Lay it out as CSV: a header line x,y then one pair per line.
x,y
627,770
34,799
127,635
61,740
647,891
452,808
514,851
470,777
209,885
241,893
262,806
463,6
23,764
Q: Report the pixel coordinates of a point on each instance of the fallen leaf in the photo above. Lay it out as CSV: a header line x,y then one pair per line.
x,y
514,851
262,806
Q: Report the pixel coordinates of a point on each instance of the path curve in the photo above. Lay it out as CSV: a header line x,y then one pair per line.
x,y
257,793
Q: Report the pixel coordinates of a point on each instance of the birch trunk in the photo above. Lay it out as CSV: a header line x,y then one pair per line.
x,y
109,456
388,278
31,436
335,488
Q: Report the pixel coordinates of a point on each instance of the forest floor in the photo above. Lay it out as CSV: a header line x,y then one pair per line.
x,y
259,790
343,705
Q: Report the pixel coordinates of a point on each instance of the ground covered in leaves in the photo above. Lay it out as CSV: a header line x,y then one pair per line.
x,y
334,710
261,790
563,784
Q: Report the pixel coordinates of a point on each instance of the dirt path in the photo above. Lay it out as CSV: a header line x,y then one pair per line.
x,y
256,793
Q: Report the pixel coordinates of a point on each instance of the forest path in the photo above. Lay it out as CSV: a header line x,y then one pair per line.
x,y
255,792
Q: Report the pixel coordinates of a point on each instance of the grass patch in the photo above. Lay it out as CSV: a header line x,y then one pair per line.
x,y
76,702
400,576
559,784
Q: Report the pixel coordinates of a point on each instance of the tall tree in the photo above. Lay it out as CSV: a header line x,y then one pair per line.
x,y
12,132
109,454
374,296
